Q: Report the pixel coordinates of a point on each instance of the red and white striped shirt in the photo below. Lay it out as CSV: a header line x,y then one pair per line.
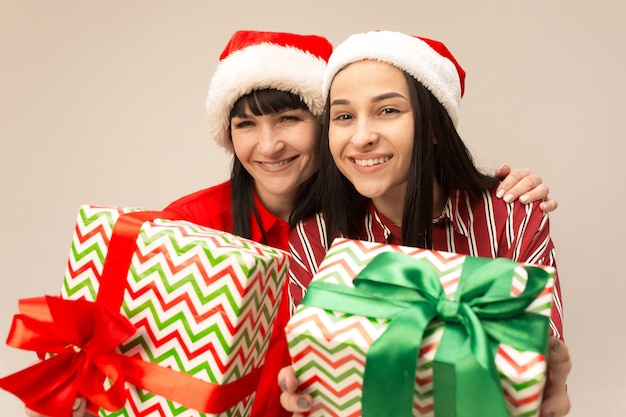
x,y
485,226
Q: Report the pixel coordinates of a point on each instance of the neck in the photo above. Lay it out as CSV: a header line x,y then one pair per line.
x,y
280,206
392,204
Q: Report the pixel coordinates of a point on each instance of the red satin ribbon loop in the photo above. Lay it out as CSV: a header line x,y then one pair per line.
x,y
83,337
57,326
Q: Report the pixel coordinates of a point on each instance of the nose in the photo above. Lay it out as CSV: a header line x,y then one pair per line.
x,y
365,134
270,141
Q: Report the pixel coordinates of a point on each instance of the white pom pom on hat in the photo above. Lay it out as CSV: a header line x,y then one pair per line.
x,y
254,60
428,61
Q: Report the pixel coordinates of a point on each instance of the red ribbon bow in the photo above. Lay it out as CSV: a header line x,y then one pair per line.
x,y
84,354
83,336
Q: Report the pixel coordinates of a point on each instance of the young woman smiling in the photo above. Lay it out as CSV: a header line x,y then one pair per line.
x,y
401,174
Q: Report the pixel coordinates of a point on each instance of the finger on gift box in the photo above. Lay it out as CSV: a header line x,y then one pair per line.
x,y
290,399
556,401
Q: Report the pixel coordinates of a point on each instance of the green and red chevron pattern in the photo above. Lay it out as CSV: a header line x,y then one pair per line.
x,y
329,348
203,301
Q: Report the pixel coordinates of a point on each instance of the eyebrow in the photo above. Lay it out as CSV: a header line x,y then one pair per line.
x,y
375,99
243,116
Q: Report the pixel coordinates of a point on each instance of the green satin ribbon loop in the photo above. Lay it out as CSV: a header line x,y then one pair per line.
x,y
483,313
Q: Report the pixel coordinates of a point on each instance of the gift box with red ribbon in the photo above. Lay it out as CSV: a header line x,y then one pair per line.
x,y
157,316
387,330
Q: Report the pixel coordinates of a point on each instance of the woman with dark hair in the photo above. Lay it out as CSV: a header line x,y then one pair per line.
x,y
263,105
399,173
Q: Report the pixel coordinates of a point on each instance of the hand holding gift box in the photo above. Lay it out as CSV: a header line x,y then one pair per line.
x,y
200,304
480,328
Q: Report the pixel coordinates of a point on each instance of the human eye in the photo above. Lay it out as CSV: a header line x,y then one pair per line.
x,y
286,118
241,123
295,115
389,110
340,115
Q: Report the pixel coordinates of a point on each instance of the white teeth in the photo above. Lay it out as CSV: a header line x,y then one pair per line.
x,y
371,162
277,164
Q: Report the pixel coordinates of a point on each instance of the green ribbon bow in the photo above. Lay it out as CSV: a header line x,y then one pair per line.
x,y
482,315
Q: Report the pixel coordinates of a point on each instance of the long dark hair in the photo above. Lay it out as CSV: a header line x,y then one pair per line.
x,y
259,102
438,154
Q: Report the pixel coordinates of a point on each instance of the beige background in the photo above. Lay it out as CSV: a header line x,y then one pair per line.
x,y
102,103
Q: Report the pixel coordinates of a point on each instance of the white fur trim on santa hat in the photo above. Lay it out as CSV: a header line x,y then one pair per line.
x,y
262,66
411,54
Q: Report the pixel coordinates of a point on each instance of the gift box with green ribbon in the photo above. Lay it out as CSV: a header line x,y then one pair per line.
x,y
388,330
157,316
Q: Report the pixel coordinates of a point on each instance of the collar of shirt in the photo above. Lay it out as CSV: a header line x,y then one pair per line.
x,y
453,212
276,229
377,225
378,228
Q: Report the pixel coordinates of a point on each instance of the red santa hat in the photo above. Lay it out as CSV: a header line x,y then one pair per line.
x,y
428,61
254,60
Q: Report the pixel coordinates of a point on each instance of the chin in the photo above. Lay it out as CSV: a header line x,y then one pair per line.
x,y
368,192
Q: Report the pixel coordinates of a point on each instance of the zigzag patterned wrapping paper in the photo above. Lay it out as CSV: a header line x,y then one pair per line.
x,y
329,348
203,301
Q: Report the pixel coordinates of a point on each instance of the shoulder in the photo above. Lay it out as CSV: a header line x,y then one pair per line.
x,y
483,213
312,228
309,237
485,225
485,202
208,207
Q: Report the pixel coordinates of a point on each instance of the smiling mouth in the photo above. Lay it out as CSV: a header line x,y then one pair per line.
x,y
371,162
278,164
